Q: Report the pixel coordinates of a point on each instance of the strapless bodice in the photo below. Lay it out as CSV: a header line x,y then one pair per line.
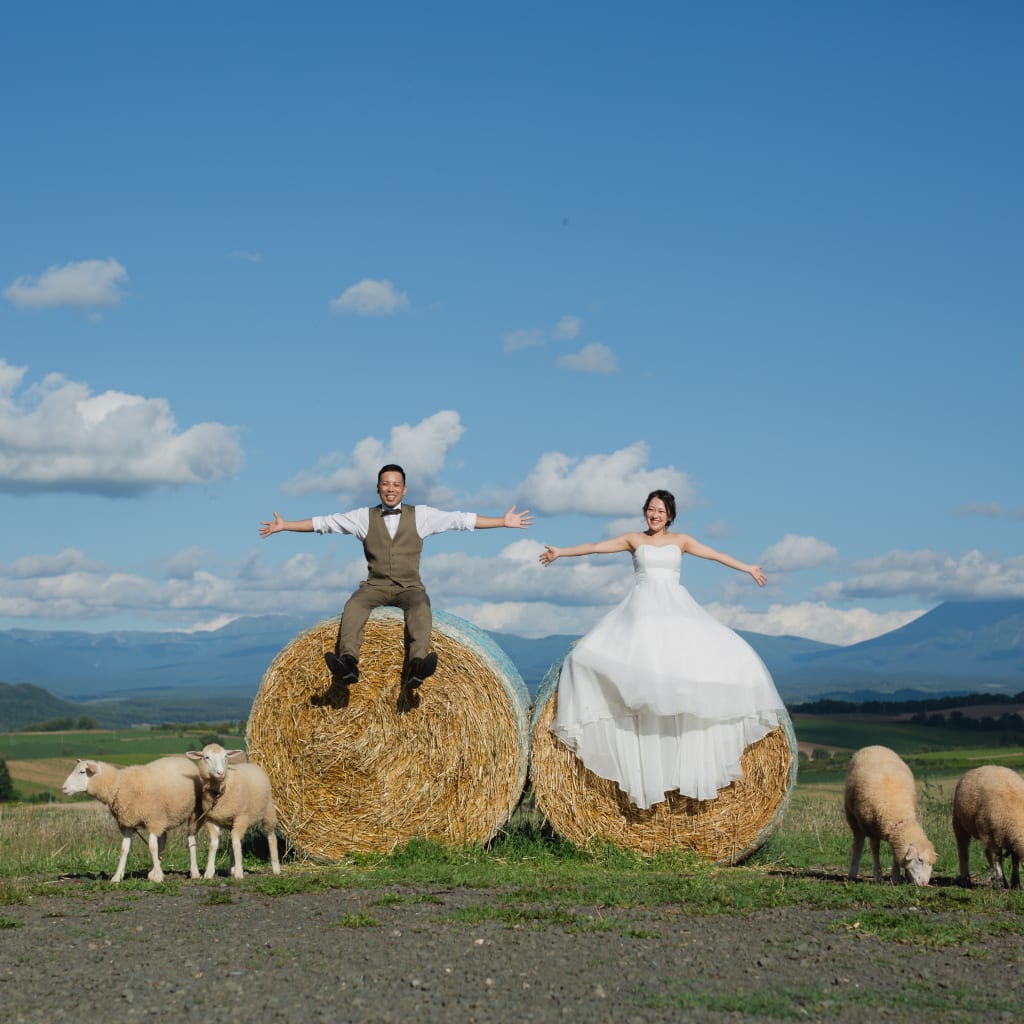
x,y
660,561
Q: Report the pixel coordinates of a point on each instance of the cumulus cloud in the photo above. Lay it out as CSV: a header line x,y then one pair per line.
x,y
815,621
85,284
70,560
420,449
507,591
192,589
933,576
525,338
601,485
531,619
794,552
568,328
593,358
59,436
370,298
985,509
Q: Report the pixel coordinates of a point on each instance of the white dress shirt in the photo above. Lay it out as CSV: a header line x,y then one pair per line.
x,y
428,521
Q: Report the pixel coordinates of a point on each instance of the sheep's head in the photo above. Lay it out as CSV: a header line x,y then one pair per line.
x,y
918,861
213,760
78,780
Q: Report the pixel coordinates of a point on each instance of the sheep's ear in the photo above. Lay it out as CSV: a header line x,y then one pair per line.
x,y
911,854
91,767
196,755
235,756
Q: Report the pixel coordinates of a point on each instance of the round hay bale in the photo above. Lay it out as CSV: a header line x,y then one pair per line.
x,y
366,778
582,806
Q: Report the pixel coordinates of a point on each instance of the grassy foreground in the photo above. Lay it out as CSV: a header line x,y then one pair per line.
x,y
537,876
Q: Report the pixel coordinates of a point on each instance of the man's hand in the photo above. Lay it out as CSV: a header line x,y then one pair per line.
x,y
276,525
518,520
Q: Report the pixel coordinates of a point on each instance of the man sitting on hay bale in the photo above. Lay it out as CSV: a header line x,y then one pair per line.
x,y
392,534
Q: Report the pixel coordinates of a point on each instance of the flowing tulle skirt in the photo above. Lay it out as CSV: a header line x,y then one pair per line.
x,y
660,696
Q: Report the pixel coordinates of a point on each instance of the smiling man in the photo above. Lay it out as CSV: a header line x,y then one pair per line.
x,y
392,534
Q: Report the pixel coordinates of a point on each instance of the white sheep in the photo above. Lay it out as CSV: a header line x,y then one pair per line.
x,y
880,801
237,795
989,805
156,797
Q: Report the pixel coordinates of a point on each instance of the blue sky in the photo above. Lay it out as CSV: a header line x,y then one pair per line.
x,y
767,256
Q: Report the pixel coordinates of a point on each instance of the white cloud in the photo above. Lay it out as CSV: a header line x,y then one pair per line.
x,y
794,552
420,449
815,621
594,358
210,625
987,510
601,485
59,436
509,592
568,328
245,256
528,618
84,284
370,298
933,576
70,560
525,338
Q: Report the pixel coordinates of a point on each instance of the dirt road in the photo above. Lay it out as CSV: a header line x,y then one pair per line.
x,y
215,952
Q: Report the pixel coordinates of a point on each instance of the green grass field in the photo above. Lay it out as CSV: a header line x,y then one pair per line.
x,y
851,732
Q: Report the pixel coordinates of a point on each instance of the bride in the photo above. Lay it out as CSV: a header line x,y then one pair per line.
x,y
659,696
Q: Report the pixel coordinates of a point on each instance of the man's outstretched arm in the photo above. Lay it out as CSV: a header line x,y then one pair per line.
x,y
513,519
279,525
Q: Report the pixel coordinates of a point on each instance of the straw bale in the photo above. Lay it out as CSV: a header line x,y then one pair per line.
x,y
584,807
366,778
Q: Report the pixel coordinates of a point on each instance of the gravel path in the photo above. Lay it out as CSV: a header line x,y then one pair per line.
x,y
220,953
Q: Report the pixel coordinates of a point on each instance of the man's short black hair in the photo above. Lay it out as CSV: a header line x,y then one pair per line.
x,y
391,468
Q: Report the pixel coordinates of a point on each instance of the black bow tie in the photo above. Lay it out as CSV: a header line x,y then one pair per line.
x,y
391,511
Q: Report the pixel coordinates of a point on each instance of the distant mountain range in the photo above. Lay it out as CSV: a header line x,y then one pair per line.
x,y
125,677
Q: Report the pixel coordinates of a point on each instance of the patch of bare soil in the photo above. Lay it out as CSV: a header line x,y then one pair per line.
x,y
219,952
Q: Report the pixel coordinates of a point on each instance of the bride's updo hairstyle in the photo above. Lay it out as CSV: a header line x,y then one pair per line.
x,y
669,500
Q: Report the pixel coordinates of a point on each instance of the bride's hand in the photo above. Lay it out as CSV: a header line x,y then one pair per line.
x,y
759,576
548,555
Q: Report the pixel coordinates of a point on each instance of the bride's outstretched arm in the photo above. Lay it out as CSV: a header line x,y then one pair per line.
x,y
600,547
694,547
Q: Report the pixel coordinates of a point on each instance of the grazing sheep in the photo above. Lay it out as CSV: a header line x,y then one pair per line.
x,y
880,801
155,797
237,795
989,805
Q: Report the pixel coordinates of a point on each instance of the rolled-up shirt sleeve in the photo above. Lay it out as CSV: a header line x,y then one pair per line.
x,y
356,522
432,520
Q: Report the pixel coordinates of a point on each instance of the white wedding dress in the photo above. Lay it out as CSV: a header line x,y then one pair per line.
x,y
660,696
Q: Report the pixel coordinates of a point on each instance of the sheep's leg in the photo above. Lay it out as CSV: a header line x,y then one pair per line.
x,y
214,833
875,856
858,850
126,842
995,859
193,859
236,853
156,874
963,844
897,877
1015,872
275,864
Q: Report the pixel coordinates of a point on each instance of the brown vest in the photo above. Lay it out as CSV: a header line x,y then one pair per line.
x,y
395,560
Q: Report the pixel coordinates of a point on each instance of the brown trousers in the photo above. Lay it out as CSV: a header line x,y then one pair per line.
x,y
413,601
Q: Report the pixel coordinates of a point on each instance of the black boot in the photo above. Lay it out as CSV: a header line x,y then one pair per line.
x,y
418,670
344,668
